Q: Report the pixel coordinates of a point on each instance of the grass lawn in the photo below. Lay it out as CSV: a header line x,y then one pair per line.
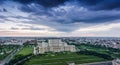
x,y
62,59
26,51
100,50
22,54
90,48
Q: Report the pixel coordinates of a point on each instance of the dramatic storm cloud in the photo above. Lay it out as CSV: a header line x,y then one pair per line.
x,y
60,17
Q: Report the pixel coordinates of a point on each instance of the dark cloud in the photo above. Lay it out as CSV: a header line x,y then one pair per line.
x,y
4,10
63,14
0,10
24,1
100,4
26,9
63,20
75,14
50,3
2,1
99,19
2,17
45,3
35,9
90,4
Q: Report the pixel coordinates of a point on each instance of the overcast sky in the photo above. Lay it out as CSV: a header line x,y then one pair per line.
x,y
61,18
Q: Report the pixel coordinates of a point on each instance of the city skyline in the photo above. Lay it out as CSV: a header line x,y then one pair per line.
x,y
60,18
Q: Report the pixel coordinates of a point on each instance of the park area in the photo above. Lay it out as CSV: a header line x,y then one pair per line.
x,y
5,50
62,58
87,54
26,51
22,54
115,53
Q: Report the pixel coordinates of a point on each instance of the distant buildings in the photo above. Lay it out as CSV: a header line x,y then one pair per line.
x,y
13,41
113,43
53,45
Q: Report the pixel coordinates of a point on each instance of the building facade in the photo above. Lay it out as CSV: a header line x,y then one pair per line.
x,y
53,45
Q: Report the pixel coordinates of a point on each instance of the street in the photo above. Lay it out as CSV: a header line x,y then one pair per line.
x,y
10,56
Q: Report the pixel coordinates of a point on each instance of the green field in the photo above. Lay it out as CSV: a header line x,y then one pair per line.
x,y
62,59
26,51
115,53
22,54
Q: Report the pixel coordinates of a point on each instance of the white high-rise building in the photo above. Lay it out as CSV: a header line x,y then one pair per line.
x,y
53,45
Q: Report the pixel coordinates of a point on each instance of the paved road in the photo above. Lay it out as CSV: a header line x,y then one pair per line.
x,y
10,56
23,60
98,63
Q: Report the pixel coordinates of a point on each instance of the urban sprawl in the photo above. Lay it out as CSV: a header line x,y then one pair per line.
x,y
43,46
